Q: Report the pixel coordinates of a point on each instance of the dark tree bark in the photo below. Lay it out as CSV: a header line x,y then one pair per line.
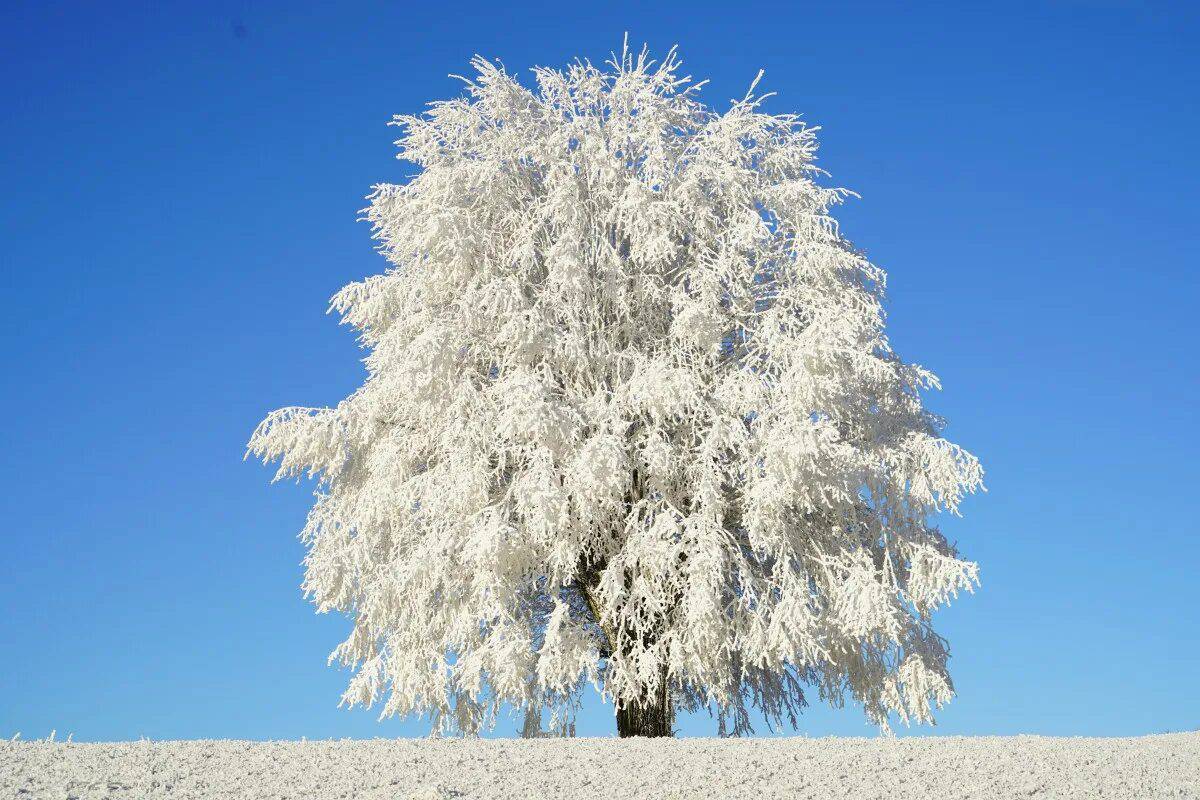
x,y
653,716
649,715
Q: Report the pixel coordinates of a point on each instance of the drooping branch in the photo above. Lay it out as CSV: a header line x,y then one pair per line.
x,y
630,418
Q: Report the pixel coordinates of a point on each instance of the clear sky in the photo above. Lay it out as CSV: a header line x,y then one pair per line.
x,y
180,186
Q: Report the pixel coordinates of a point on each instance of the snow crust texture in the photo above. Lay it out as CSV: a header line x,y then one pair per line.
x,y
985,767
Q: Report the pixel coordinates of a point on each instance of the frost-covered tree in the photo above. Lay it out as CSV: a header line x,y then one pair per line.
x,y
630,418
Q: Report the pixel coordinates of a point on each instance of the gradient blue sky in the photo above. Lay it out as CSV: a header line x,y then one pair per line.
x,y
180,187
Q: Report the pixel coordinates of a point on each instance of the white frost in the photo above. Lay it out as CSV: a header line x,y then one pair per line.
x,y
630,415
937,768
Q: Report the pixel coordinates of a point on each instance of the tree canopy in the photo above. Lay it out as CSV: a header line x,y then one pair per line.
x,y
630,418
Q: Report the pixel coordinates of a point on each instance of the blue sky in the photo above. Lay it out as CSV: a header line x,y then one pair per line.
x,y
180,187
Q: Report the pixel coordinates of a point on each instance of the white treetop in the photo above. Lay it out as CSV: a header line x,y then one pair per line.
x,y
630,418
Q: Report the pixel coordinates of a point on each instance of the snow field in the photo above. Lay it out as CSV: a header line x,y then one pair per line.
x,y
1165,766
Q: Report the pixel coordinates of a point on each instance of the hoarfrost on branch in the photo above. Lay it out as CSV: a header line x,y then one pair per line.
x,y
630,418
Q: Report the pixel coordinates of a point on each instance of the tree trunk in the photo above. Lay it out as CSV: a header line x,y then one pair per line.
x,y
650,716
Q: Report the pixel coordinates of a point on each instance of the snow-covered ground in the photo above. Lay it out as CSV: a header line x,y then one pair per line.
x,y
991,767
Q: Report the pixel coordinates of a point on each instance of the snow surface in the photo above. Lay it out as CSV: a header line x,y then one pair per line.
x,y
985,767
